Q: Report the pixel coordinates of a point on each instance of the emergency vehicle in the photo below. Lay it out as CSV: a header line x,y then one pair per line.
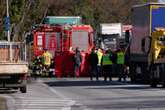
x,y
61,41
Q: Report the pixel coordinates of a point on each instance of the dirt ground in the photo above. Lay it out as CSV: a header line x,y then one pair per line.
x,y
3,103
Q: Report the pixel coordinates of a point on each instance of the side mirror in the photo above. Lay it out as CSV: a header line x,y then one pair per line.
x,y
127,36
146,44
143,45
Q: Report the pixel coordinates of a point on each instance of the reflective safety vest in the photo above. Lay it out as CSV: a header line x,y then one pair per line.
x,y
106,60
47,58
99,55
120,58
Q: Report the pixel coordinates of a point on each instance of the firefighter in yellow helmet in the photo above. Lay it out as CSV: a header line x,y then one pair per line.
x,y
46,59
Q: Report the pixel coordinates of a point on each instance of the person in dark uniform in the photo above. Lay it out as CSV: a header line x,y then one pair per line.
x,y
113,58
93,61
52,68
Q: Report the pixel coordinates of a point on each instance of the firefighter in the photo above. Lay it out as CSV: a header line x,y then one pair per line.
x,y
47,59
107,65
52,68
34,66
120,63
37,66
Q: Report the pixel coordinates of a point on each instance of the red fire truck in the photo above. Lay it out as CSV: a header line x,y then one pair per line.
x,y
61,41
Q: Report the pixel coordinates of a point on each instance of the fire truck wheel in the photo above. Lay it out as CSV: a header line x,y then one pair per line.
x,y
23,89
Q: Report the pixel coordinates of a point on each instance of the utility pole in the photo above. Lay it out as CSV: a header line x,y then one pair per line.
x,y
8,20
8,30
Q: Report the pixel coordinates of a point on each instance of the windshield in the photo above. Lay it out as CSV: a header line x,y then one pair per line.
x,y
80,39
110,41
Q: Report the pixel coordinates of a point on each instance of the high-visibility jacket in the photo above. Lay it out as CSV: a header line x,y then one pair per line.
x,y
99,55
106,60
47,58
120,57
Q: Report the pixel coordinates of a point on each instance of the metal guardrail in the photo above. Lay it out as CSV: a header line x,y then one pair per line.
x,y
18,51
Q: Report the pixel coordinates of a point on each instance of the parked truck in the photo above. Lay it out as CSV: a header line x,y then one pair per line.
x,y
110,35
147,45
13,66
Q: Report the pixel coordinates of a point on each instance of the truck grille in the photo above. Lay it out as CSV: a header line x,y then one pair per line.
x,y
9,78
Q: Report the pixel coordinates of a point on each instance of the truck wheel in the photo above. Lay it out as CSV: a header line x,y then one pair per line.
x,y
132,73
23,89
163,84
145,74
153,85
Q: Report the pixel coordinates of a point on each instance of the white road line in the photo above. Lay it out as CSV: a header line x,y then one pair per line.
x,y
43,104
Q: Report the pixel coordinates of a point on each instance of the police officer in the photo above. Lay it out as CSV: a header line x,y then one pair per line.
x,y
107,66
99,55
120,63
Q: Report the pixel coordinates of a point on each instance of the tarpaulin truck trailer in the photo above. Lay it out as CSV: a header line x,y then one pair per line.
x,y
13,66
147,46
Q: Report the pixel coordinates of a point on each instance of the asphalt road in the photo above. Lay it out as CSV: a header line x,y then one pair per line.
x,y
100,95
83,94
38,97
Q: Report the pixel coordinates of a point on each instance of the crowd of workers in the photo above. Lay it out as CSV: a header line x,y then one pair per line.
x,y
106,63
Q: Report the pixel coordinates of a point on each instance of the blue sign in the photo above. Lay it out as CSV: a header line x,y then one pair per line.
x,y
7,23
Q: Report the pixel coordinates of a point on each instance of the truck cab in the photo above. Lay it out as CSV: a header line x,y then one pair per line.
x,y
147,44
110,35
13,66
